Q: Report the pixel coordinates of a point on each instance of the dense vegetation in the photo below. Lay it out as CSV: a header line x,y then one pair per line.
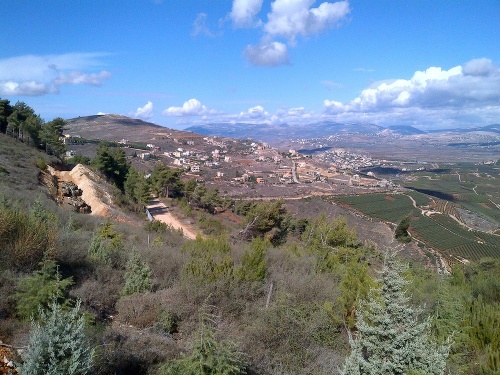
x,y
278,295
21,122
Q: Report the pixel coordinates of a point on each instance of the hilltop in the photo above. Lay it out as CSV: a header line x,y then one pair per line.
x,y
116,127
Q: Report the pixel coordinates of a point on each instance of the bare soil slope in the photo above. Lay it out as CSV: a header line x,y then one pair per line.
x,y
95,191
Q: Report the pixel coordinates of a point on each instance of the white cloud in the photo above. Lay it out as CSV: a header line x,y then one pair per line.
x,y
145,112
29,88
192,107
299,111
268,54
79,78
288,19
471,91
255,113
35,75
479,67
243,12
200,26
477,83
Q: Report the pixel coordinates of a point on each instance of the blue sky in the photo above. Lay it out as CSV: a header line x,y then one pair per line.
x,y
430,64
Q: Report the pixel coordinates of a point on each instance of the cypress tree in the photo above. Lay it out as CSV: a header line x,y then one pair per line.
x,y
390,338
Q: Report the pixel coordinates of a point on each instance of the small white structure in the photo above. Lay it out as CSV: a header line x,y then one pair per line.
x,y
195,168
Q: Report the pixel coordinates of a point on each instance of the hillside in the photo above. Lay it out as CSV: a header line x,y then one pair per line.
x,y
273,287
116,127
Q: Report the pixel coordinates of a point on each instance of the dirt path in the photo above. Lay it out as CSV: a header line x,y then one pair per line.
x,y
160,212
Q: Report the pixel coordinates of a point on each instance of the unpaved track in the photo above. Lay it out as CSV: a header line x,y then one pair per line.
x,y
160,212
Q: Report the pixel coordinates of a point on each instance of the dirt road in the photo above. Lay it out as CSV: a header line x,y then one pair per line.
x,y
160,212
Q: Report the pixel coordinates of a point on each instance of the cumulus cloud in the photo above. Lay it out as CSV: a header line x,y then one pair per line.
x,y
145,112
243,12
255,113
434,96
288,19
479,67
477,83
192,107
267,54
35,75
29,88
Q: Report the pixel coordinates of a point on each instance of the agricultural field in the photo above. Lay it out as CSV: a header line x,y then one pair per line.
x,y
391,208
475,188
451,239
449,216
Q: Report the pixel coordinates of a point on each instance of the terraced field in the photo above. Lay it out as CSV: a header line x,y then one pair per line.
x,y
437,220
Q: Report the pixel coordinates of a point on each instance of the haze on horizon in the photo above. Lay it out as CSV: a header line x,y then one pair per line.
x,y
426,64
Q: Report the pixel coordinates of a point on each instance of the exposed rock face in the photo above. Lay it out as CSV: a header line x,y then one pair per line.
x,y
7,366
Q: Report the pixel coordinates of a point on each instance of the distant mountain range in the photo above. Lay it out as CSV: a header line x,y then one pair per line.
x,y
271,133
115,127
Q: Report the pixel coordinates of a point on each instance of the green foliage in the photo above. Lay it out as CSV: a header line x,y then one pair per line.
x,y
57,344
106,245
25,235
333,243
79,159
208,356
354,286
253,265
324,234
41,289
208,199
401,233
137,276
166,182
41,164
5,112
265,219
137,187
210,225
167,322
209,261
389,338
50,135
471,316
112,163
155,226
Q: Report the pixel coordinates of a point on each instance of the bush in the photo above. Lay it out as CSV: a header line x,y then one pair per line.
x,y
209,356
58,345
137,276
25,235
41,289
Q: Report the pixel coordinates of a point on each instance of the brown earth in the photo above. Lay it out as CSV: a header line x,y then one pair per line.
x,y
94,191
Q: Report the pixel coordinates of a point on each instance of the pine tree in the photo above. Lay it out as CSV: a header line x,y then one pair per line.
x,y
40,289
137,276
390,338
57,345
208,356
